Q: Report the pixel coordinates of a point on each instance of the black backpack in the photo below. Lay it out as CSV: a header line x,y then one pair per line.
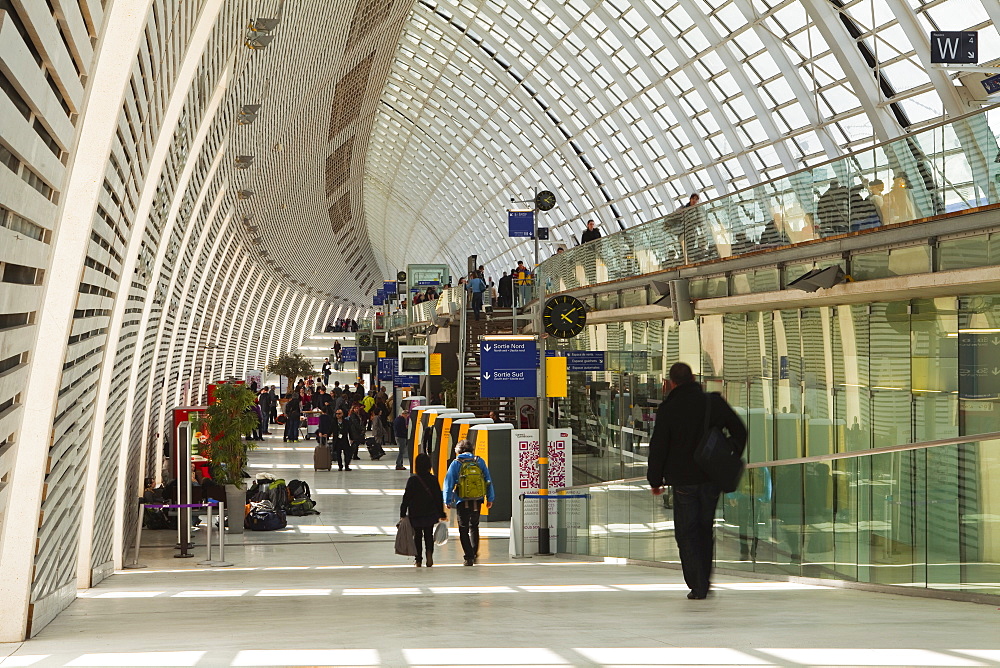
x,y
301,503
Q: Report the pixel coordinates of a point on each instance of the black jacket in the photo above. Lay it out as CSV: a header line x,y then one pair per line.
x,y
505,287
327,424
422,498
357,429
680,421
340,434
590,235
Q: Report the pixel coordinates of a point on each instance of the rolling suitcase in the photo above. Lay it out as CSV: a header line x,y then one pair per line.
x,y
375,451
322,461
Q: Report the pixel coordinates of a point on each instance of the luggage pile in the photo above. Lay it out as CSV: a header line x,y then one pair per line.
x,y
270,501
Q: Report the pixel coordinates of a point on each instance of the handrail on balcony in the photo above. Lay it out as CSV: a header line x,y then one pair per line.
x,y
952,166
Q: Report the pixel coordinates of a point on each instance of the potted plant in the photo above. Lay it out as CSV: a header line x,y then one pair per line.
x,y
291,365
224,424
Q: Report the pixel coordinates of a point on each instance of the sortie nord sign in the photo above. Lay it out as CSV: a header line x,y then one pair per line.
x,y
508,368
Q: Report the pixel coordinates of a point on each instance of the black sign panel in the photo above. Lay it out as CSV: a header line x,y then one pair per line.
x,y
955,47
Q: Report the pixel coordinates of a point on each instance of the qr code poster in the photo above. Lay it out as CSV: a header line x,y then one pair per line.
x,y
524,479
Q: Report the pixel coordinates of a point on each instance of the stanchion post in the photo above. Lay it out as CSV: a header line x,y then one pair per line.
x,y
208,536
138,538
222,537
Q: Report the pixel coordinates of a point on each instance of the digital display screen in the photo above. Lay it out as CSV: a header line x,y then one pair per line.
x,y
412,364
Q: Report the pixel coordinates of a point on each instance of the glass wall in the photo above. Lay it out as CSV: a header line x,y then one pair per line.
x,y
811,381
927,517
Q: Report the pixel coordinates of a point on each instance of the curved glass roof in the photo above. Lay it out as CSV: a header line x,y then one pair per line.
x,y
624,108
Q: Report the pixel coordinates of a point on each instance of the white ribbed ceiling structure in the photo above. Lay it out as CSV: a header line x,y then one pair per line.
x,y
623,108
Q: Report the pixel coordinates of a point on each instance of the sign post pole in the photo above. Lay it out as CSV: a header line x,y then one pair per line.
x,y
543,406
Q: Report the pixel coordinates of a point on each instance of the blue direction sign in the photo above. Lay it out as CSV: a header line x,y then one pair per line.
x,y
405,381
991,84
508,369
586,360
387,367
389,287
349,354
378,300
582,360
521,224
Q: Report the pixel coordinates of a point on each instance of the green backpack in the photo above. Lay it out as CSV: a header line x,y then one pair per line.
x,y
471,481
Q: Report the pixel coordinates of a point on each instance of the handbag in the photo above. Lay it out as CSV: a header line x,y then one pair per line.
x,y
404,538
715,454
441,533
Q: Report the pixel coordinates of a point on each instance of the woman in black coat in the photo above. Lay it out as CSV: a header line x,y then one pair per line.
x,y
423,503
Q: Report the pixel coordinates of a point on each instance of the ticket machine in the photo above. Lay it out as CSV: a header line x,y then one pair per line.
x,y
441,445
493,444
418,422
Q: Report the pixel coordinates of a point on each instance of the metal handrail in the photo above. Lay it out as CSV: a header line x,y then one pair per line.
x,y
923,445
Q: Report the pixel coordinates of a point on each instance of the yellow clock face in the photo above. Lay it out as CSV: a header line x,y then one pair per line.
x,y
564,317
545,200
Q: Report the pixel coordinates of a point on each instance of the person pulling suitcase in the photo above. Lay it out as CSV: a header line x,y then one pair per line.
x,y
322,456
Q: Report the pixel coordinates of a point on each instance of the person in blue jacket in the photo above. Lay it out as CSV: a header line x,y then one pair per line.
x,y
466,487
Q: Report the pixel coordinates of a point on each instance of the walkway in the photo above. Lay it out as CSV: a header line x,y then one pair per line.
x,y
330,591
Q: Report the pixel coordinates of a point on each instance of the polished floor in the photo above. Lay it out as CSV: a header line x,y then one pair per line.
x,y
328,591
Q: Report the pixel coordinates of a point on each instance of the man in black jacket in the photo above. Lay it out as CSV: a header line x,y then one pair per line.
x,y
339,440
680,423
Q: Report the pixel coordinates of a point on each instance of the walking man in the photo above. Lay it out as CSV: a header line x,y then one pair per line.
x,y
477,287
680,423
466,486
400,428
340,441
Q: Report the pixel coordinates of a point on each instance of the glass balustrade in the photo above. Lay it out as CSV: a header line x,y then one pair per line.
x,y
924,517
943,169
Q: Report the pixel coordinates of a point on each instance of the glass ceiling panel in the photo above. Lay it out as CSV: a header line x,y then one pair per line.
x,y
494,99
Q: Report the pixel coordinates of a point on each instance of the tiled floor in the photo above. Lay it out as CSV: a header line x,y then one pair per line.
x,y
329,591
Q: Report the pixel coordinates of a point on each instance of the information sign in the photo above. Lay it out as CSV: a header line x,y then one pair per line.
x,y
349,354
586,360
582,360
991,84
955,47
521,224
389,287
405,381
508,368
387,367
524,480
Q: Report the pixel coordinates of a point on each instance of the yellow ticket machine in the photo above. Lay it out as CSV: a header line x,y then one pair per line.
x,y
441,445
416,431
493,444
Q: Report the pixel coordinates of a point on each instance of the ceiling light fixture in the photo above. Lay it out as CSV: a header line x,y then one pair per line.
x,y
248,114
244,161
259,33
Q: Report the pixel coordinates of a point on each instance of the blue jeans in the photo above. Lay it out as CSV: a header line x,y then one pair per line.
x,y
404,448
694,516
